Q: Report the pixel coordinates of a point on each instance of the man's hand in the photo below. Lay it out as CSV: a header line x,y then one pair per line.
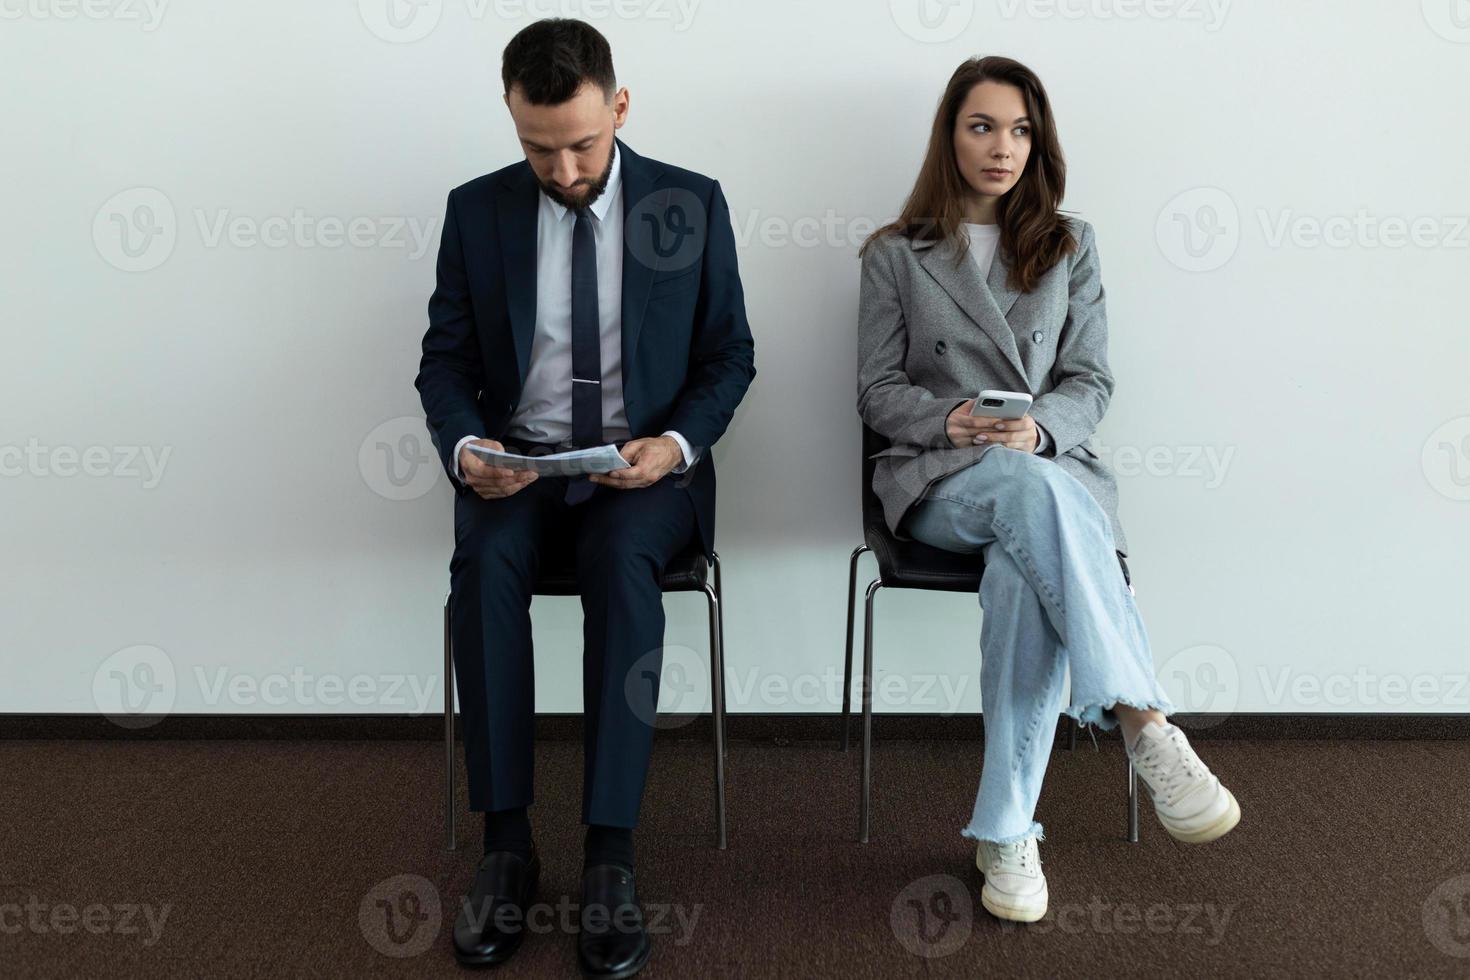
x,y
652,460
489,481
965,429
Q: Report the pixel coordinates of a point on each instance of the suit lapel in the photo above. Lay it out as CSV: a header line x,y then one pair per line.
x,y
639,179
986,303
517,208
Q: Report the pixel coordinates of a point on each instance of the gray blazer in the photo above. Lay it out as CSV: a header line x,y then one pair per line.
x,y
931,335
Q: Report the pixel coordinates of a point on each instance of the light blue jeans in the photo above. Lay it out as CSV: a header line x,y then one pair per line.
x,y
1054,597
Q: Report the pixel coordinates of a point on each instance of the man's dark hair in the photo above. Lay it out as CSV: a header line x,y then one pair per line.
x,y
551,59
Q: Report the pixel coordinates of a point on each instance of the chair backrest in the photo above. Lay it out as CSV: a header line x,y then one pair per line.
x,y
872,506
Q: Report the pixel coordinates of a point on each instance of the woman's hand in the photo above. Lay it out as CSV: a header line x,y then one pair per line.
x,y
965,429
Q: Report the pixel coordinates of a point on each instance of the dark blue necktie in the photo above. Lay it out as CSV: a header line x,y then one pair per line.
x,y
586,351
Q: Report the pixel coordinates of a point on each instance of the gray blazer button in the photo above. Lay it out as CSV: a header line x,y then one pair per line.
x,y
939,348
1037,336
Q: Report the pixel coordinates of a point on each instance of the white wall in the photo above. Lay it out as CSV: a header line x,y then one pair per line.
x,y
1326,556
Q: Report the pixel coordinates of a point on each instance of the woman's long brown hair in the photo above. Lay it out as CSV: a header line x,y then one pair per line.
x,y
1033,233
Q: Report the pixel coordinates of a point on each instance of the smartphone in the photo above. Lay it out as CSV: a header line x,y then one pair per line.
x,y
1002,404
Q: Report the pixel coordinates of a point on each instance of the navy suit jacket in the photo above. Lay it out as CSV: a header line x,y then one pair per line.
x,y
688,355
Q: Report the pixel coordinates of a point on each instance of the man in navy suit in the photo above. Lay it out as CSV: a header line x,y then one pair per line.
x,y
584,296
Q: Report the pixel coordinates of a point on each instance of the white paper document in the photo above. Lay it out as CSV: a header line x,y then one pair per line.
x,y
577,462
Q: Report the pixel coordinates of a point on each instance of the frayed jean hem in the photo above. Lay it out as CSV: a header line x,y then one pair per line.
x,y
1102,716
1035,830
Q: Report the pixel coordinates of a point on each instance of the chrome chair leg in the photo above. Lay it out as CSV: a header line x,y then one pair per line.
x,y
449,836
717,703
852,567
864,814
1132,804
720,595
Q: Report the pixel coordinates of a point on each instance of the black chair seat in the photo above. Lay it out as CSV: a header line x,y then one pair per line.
x,y
688,572
914,565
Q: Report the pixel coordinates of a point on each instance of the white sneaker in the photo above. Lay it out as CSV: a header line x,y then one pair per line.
x,y
1190,801
1015,888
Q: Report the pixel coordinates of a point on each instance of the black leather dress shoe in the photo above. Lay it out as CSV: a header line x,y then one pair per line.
x,y
492,917
613,942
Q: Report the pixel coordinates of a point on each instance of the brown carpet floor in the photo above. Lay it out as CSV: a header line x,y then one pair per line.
x,y
268,858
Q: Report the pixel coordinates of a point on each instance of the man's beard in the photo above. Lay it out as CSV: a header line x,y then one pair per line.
x,y
557,195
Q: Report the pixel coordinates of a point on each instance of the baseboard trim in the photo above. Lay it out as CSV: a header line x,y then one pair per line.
x,y
750,727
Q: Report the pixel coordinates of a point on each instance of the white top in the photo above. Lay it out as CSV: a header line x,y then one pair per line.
x,y
984,240
544,413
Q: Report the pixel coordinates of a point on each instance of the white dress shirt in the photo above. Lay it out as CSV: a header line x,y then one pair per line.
x,y
984,240
544,414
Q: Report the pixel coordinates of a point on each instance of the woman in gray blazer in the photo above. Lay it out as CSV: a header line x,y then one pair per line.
x,y
981,283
